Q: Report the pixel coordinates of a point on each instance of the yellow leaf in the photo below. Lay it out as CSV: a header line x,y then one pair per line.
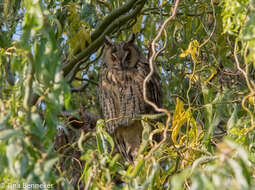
x,y
187,52
76,83
137,27
193,77
184,53
191,132
182,140
178,108
192,50
180,117
87,36
195,43
178,124
163,2
214,72
84,23
6,8
251,100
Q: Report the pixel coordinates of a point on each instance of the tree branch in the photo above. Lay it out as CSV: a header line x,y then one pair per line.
x,y
86,121
108,19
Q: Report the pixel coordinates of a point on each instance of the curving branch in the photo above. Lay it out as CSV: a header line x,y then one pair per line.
x,y
214,26
152,58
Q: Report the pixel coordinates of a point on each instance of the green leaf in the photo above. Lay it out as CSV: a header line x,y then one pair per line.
x,y
240,179
109,139
178,180
99,143
4,120
8,133
232,120
137,169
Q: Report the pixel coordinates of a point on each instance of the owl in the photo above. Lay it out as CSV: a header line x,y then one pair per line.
x,y
122,72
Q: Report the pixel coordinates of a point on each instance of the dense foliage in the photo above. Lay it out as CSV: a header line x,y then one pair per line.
x,y
50,57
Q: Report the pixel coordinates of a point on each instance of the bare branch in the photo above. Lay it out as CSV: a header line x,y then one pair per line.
x,y
156,10
240,69
94,60
251,88
152,58
111,17
86,121
214,26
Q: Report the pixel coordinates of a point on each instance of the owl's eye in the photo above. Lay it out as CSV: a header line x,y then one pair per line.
x,y
114,57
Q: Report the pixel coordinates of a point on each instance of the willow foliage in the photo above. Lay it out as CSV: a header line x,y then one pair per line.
x,y
50,56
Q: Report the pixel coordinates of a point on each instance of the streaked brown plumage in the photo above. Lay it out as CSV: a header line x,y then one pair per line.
x,y
123,70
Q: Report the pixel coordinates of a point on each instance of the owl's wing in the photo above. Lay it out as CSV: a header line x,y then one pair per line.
x,y
108,103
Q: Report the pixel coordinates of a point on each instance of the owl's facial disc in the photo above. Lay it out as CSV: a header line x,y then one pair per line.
x,y
121,55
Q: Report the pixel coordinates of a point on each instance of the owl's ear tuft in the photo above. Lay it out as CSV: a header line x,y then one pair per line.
x,y
107,41
131,39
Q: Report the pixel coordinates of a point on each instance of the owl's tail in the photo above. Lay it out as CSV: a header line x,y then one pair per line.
x,y
128,140
123,150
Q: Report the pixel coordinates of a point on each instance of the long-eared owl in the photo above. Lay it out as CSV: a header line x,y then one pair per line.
x,y
123,70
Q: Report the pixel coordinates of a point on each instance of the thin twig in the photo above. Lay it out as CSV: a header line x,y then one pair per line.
x,y
240,69
156,10
190,80
152,58
164,46
214,26
252,91
70,76
41,98
94,60
80,88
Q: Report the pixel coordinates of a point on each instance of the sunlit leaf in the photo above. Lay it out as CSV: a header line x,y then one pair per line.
x,y
137,27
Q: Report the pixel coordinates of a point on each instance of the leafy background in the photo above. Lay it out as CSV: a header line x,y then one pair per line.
x,y
50,58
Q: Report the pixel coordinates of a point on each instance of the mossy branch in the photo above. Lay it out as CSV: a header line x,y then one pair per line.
x,y
108,19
